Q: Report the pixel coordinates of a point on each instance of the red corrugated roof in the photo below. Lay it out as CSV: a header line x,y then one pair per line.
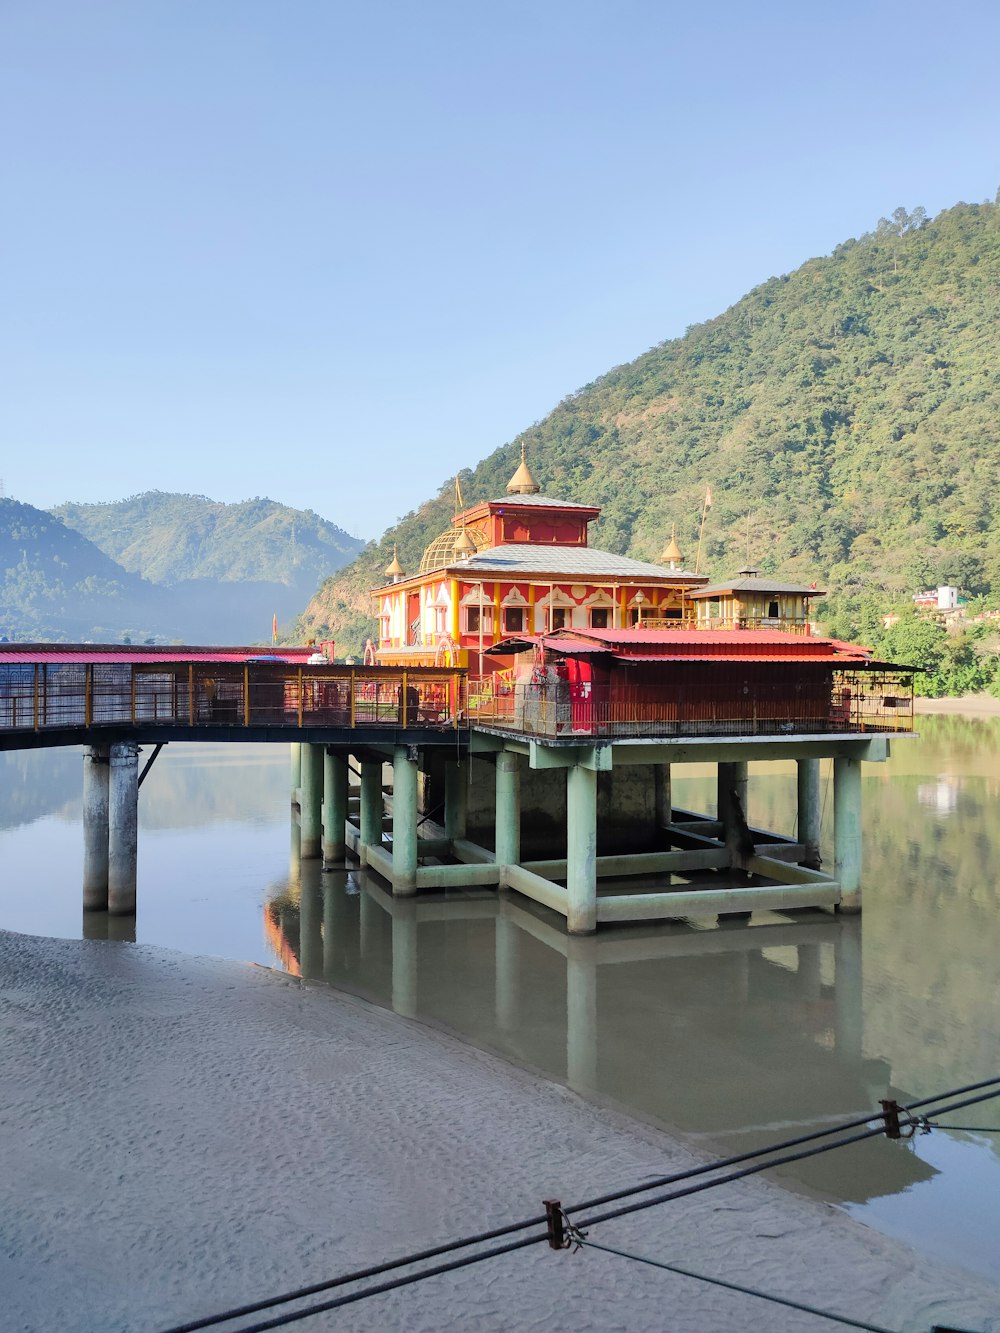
x,y
836,659
691,636
80,654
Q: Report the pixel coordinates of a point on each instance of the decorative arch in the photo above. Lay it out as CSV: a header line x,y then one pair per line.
x,y
444,654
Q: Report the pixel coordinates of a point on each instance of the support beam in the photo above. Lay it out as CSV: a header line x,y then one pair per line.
x,y
810,811
508,811
404,820
96,774
334,806
456,798
371,808
311,801
123,828
581,850
847,831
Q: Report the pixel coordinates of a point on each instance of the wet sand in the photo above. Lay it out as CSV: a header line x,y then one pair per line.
x,y
180,1134
969,705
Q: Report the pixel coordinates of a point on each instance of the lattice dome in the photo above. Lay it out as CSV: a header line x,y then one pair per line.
x,y
442,551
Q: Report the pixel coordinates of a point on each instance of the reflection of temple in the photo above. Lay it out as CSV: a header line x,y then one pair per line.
x,y
756,1029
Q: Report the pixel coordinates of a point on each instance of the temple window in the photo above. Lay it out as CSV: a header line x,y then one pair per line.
x,y
472,619
558,617
513,619
772,610
599,617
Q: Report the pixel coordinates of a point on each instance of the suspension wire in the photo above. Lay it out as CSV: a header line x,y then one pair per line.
x,y
963,1129
735,1286
358,1275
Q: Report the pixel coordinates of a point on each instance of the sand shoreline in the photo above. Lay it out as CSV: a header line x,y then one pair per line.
x,y
967,705
184,1133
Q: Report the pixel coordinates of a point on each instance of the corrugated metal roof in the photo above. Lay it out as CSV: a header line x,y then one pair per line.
x,y
541,501
763,659
563,561
757,585
695,636
80,654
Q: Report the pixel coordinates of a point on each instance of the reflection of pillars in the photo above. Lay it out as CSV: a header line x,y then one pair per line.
x,y
370,913
310,923
334,805
456,799
581,1014
508,813
849,990
294,860
103,926
123,828
847,831
404,820
739,963
404,958
810,977
371,807
664,797
506,957
311,801
295,765
581,850
96,772
810,811
331,936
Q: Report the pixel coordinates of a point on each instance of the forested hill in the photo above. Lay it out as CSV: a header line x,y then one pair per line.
x,y
168,538
846,414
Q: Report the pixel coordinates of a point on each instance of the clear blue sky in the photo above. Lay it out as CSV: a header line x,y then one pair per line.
x,y
331,252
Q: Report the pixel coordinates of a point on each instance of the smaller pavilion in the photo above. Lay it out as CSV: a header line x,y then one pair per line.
x,y
750,602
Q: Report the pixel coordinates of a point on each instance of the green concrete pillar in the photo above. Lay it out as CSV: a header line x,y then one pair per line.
x,y
295,765
96,775
581,1015
294,860
404,820
371,807
310,922
508,815
334,806
664,795
507,956
456,798
123,828
581,850
311,801
404,958
847,831
810,811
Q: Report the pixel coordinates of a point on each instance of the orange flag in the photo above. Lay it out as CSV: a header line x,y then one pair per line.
x,y
274,629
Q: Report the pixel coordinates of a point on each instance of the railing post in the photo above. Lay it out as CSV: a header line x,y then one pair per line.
x,y
353,691
300,696
246,695
36,697
88,694
191,701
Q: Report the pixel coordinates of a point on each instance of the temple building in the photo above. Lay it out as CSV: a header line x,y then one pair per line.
x,y
750,602
521,565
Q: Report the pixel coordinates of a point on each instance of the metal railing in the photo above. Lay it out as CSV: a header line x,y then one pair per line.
x,y
40,696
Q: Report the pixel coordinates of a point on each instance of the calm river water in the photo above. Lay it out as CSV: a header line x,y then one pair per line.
x,y
735,1035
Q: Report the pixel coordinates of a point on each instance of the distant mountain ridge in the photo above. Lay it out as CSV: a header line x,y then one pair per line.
x,y
846,417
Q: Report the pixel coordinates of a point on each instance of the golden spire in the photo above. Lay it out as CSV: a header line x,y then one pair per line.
x,y
672,552
395,571
522,482
464,546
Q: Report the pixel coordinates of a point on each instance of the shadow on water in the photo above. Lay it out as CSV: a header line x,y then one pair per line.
x,y
737,1035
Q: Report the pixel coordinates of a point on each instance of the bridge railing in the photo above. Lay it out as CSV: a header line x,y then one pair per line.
x,y
42,696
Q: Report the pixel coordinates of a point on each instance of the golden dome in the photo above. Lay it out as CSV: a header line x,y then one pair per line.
x,y
522,482
448,547
671,552
395,570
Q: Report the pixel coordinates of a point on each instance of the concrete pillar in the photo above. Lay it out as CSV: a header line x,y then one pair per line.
x,y
847,831
664,795
371,807
311,801
581,850
404,820
310,922
334,806
508,813
731,778
96,774
404,958
810,811
507,954
123,828
294,860
581,1015
456,798
295,764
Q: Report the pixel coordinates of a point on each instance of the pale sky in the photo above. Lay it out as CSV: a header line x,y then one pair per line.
x,y
331,252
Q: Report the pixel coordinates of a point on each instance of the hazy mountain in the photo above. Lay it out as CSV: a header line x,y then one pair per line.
x,y
845,415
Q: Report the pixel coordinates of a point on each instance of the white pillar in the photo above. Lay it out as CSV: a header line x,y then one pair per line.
x,y
311,801
456,798
581,1015
847,831
334,806
508,811
371,807
96,773
404,820
123,828
581,850
810,810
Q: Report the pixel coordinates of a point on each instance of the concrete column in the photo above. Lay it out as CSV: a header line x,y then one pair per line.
x,y
295,763
581,850
847,831
581,1015
664,795
404,958
404,820
810,810
96,774
456,798
311,801
732,778
294,860
123,828
371,807
508,814
310,922
507,954
334,806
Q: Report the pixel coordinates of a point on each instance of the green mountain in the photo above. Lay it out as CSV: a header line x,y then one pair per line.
x,y
846,417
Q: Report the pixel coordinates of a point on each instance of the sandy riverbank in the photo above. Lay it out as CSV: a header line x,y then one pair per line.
x,y
969,705
179,1134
